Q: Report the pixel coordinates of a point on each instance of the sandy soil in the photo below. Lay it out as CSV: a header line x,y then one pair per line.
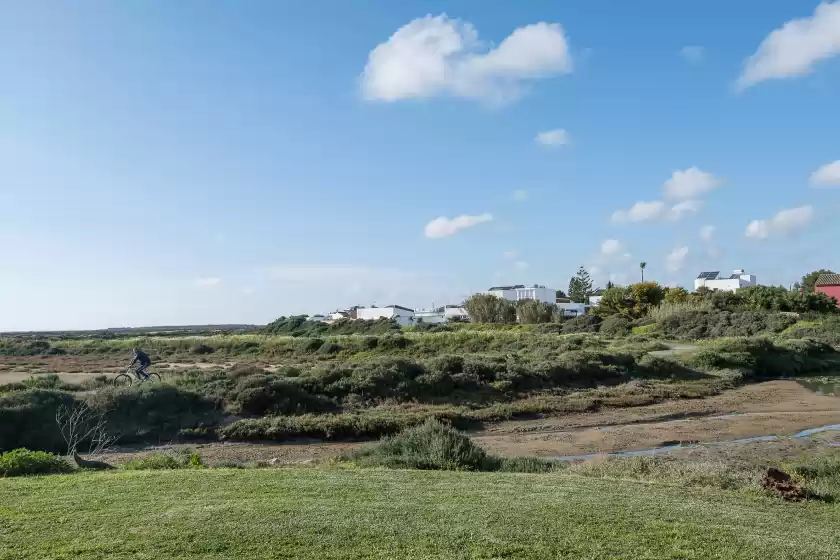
x,y
774,408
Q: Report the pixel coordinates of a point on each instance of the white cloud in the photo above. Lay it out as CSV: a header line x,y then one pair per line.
x,y
618,278
437,55
692,53
794,49
640,212
827,176
553,138
690,183
784,222
207,282
707,233
610,247
675,260
248,291
444,227
510,254
520,195
594,269
684,208
521,265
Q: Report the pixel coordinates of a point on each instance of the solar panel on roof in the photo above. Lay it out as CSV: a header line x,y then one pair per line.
x,y
709,275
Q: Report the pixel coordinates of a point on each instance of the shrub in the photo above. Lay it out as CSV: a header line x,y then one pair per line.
x,y
718,324
616,326
151,412
24,462
165,461
582,324
27,419
200,349
429,446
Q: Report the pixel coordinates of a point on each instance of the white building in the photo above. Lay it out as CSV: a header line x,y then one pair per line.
x,y
595,298
714,281
572,309
402,315
441,314
519,292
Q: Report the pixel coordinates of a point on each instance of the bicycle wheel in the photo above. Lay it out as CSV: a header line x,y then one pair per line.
x,y
122,380
154,377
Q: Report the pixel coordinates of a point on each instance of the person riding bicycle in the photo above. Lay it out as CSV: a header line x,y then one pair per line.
x,y
143,360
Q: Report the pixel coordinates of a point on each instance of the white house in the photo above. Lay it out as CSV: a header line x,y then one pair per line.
x,y
520,291
572,309
441,314
714,281
402,315
595,297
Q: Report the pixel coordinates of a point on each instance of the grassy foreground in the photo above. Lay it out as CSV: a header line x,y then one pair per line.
x,y
317,513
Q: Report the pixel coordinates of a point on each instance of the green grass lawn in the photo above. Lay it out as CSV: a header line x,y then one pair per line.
x,y
319,513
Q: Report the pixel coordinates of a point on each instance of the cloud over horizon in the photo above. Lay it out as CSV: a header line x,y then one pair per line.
x,y
784,222
444,227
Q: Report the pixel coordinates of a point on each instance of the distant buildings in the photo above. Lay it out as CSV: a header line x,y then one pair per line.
x,y
402,315
829,284
595,297
714,281
441,315
520,292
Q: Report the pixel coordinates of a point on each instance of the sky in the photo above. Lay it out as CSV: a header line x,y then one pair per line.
x,y
202,162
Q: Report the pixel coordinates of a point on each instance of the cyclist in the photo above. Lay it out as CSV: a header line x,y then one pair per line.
x,y
143,361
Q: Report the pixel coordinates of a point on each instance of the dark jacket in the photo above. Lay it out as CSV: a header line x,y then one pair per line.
x,y
142,357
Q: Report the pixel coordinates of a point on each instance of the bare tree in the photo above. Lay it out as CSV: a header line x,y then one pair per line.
x,y
80,424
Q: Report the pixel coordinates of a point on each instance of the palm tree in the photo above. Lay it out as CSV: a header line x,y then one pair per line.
x,y
642,266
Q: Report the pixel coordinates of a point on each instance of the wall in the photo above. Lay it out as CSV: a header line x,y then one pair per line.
x,y
830,291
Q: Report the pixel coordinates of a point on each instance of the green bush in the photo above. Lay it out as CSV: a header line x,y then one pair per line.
x,y
153,412
164,461
700,324
200,349
429,446
582,324
615,326
20,462
27,419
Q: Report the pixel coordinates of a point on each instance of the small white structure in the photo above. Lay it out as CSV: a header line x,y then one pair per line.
x,y
402,315
714,281
520,292
317,318
595,297
441,314
572,309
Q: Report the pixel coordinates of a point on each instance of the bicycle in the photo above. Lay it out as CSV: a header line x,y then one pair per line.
x,y
126,379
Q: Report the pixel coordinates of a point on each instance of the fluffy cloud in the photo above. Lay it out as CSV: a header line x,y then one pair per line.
x,y
827,176
437,55
784,222
521,265
610,247
553,138
520,195
707,233
640,212
207,282
693,53
444,227
688,184
510,254
684,208
675,260
794,49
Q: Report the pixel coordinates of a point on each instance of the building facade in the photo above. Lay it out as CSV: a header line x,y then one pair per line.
x,y
735,281
441,315
829,284
520,292
402,315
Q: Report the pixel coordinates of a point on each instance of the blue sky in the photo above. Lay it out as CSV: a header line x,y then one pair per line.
x,y
196,162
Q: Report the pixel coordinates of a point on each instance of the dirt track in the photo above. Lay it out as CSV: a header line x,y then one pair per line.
x,y
772,408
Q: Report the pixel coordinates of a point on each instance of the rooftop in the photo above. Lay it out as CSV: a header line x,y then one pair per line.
x,y
828,280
